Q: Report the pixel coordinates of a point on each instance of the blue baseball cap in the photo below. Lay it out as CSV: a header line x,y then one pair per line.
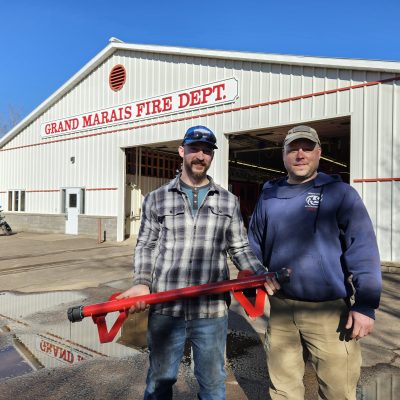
x,y
200,133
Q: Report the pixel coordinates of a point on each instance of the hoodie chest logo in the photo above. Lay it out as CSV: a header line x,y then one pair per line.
x,y
313,200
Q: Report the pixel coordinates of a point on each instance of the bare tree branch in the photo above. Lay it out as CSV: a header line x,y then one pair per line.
x,y
9,120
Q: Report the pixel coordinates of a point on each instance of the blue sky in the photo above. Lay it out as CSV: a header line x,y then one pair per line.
x,y
44,43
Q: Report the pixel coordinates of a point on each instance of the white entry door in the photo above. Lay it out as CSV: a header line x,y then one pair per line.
x,y
72,210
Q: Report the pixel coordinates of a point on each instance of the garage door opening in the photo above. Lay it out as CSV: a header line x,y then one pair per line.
x,y
146,170
256,157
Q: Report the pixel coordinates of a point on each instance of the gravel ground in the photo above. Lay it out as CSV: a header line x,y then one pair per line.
x,y
109,379
39,265
124,378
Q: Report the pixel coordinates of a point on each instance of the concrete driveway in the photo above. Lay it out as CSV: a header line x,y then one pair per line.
x,y
41,275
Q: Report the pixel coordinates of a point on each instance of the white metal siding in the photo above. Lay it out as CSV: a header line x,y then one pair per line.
x,y
374,111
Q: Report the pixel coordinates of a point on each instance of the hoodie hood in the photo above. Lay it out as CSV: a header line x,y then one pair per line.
x,y
280,189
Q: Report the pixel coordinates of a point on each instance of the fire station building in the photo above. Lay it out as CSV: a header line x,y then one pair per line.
x,y
82,161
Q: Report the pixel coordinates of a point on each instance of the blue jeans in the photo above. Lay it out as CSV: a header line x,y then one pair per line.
x,y
166,338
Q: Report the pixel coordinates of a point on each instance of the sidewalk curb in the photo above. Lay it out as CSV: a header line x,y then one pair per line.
x,y
392,267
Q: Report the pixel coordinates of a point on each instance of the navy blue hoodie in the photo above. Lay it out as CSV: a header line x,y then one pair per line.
x,y
322,231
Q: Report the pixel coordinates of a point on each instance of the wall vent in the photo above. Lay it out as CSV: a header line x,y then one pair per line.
x,y
117,77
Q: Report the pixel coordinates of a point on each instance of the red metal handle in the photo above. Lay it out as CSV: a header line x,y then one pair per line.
x,y
253,310
245,280
105,335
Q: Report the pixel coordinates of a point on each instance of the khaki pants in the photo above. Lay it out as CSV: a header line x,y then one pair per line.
x,y
298,329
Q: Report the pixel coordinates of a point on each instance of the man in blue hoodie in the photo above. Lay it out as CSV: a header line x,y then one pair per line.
x,y
318,226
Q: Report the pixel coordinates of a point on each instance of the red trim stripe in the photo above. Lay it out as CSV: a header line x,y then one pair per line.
x,y
102,189
41,190
376,180
229,110
57,190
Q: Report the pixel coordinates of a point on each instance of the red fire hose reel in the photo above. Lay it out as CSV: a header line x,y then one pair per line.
x,y
246,280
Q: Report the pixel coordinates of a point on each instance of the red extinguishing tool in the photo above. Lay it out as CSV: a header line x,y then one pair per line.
x,y
245,280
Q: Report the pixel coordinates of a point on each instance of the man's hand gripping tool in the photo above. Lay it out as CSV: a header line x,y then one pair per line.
x,y
245,280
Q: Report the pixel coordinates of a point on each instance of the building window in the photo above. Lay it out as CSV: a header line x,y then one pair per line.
x,y
16,200
72,203
22,203
10,201
83,196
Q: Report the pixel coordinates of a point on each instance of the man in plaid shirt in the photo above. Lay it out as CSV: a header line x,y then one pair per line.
x,y
188,226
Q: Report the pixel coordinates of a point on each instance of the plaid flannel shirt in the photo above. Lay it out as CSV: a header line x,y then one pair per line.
x,y
176,250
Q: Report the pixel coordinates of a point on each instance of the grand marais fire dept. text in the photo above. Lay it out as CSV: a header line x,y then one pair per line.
x,y
221,92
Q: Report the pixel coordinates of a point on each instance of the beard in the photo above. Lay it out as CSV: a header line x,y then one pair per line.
x,y
196,175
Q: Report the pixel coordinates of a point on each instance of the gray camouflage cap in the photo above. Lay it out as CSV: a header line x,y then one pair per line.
x,y
301,132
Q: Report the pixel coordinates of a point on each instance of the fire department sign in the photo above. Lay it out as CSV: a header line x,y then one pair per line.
x,y
212,94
